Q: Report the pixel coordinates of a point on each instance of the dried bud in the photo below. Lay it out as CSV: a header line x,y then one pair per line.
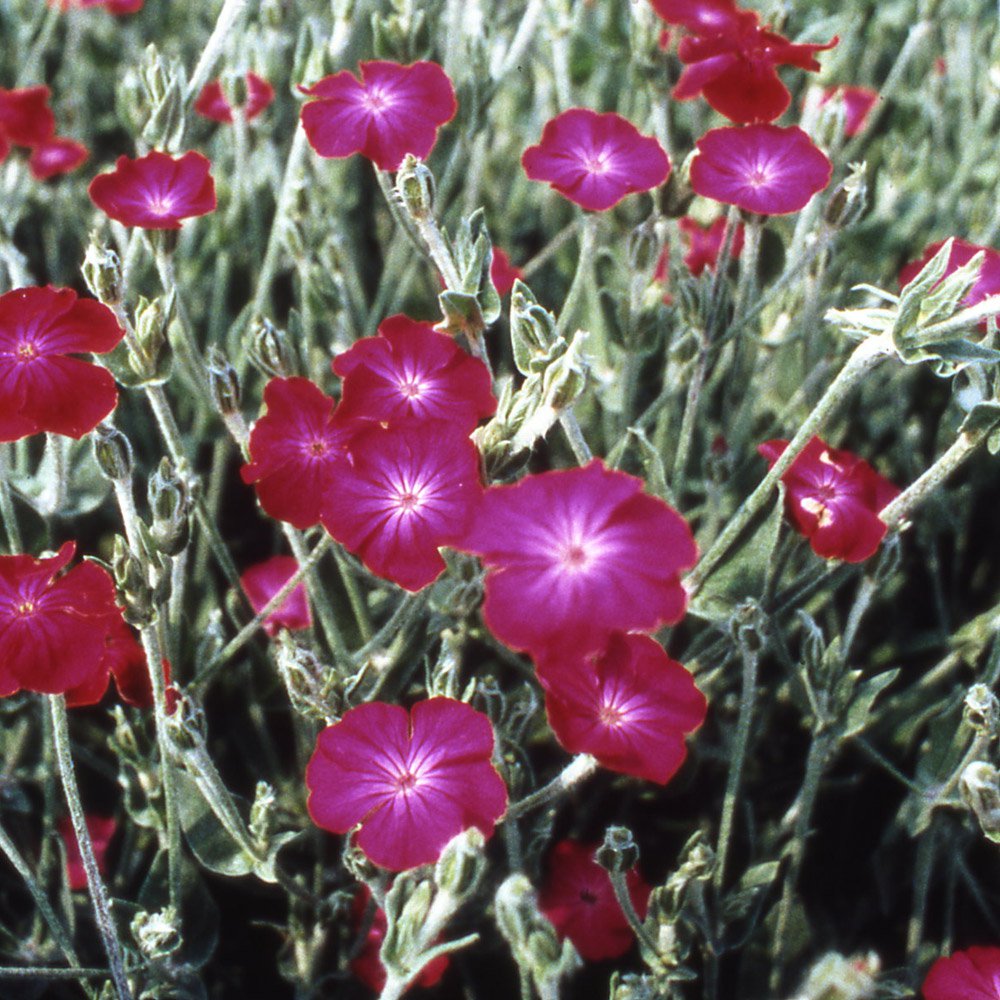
x,y
113,453
415,188
619,852
838,977
982,710
461,864
262,813
980,784
224,383
157,934
151,322
170,505
187,726
102,270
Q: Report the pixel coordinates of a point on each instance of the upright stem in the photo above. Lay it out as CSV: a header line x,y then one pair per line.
x,y
228,16
572,774
574,435
588,244
7,513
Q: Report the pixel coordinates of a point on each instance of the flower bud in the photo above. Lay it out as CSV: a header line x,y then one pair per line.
x,y
262,813
415,188
187,726
134,591
313,687
461,864
151,321
644,247
565,379
170,505
223,382
982,710
102,270
113,453
619,852
848,200
980,785
271,351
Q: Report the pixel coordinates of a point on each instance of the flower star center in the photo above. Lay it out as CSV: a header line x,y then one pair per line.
x,y
406,782
586,896
27,351
25,608
377,101
611,716
411,389
317,447
161,204
759,177
574,557
597,163
409,501
816,505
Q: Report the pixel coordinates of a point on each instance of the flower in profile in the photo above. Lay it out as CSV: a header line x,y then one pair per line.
x,y
575,554
53,627
101,830
705,244
391,111
734,67
407,492
156,191
262,581
213,103
834,499
25,116
858,103
412,781
117,7
503,273
41,387
411,372
701,17
630,706
577,897
56,156
595,160
760,168
973,974
297,449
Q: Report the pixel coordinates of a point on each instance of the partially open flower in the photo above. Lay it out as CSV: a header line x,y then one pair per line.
x,y
212,102
858,103
56,156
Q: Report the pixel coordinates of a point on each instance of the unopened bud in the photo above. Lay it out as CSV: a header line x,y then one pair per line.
x,y
113,452
134,591
224,383
415,188
980,785
643,247
271,351
102,270
170,505
619,852
262,812
461,864
313,687
848,200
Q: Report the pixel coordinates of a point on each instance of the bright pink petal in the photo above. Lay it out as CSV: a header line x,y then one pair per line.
x,y
25,116
261,582
56,156
973,974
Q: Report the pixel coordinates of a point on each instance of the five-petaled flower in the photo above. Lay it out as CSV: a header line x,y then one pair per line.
x,y
411,780
213,103
156,191
701,17
41,387
760,168
973,974
263,580
391,111
595,160
834,499
101,830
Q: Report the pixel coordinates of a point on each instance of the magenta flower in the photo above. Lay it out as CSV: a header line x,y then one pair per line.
x,y
412,781
101,830
629,706
576,554
155,191
595,160
988,282
262,581
705,245
760,168
408,491
297,451
834,499
503,273
577,897
858,104
701,17
973,974
212,102
410,372
391,111
56,156
25,117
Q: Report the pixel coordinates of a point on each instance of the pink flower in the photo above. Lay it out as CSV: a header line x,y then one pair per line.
x,y
56,156
116,7
41,387
25,116
101,830
629,706
595,160
391,111
858,104
834,499
760,168
705,245
297,449
502,273
735,68
411,780
212,102
408,491
155,191
576,554
701,17
973,974
410,372
262,581
577,896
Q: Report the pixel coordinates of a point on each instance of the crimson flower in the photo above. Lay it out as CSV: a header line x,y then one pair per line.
x,y
41,388
988,282
576,554
297,449
155,191
630,706
101,830
858,104
834,499
734,67
116,7
760,168
56,156
53,628
262,581
25,117
577,897
391,111
407,492
973,974
701,17
595,160
503,273
412,781
212,102
705,244
410,372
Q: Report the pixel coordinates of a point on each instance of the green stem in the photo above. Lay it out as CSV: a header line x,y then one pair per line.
x,y
186,349
572,774
226,23
574,435
588,245
688,421
45,972
7,512
354,595
619,883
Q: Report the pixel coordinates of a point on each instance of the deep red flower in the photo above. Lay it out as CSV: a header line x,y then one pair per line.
x,y
116,7
212,102
411,780
704,245
577,897
595,160
56,156
391,111
53,628
973,974
760,168
262,581
630,706
858,104
834,499
701,17
735,68
576,554
41,388
101,830
409,491
410,372
297,450
25,116
155,191
503,273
